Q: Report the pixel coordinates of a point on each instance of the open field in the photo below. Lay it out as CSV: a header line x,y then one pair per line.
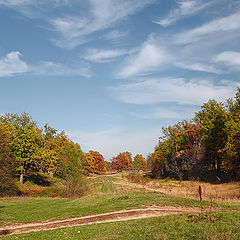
x,y
169,227
115,193
227,192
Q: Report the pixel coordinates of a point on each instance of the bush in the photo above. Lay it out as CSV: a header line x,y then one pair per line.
x,y
75,186
8,186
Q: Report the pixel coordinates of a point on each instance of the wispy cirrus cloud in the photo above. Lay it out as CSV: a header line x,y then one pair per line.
x,y
201,67
115,35
103,55
48,68
12,65
178,90
75,27
148,59
34,8
185,8
192,50
169,112
76,30
225,24
229,58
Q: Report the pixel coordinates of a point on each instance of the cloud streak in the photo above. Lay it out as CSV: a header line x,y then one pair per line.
x,y
103,55
102,15
175,90
185,9
170,112
148,59
229,58
11,65
225,24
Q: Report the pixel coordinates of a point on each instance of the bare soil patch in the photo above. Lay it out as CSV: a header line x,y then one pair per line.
x,y
123,215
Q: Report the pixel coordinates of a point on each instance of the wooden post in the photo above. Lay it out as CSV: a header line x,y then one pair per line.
x,y
200,194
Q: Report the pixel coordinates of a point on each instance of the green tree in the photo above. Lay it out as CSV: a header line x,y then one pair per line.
x,y
213,118
231,152
26,138
139,163
7,163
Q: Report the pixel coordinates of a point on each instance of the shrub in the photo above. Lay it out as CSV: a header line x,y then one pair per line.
x,y
8,185
75,186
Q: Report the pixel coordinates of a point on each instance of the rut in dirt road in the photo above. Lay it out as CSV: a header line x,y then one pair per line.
x,y
123,215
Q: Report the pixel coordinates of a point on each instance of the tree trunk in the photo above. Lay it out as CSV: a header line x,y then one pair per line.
x,y
218,164
21,177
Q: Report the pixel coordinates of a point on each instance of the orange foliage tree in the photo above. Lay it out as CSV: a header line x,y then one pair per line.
x,y
94,162
123,161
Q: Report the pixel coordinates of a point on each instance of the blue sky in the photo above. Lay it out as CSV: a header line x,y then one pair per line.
x,y
111,73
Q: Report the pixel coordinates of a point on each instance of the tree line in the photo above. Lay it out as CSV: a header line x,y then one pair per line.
x,y
206,147
33,150
27,150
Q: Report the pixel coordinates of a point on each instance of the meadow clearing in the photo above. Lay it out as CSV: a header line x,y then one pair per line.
x,y
123,192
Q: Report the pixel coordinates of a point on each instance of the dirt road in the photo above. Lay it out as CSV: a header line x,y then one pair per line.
x,y
123,215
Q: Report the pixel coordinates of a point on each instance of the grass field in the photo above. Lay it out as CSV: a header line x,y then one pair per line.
x,y
171,227
111,193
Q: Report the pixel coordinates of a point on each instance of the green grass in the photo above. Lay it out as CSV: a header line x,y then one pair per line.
x,y
16,210
170,227
107,195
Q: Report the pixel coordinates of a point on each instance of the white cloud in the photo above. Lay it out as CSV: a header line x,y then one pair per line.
x,y
10,3
170,111
76,30
229,58
186,8
58,69
198,67
148,59
225,24
178,90
103,55
34,8
115,35
192,50
117,139
12,65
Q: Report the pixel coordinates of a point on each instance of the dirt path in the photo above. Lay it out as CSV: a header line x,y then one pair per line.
x,y
123,215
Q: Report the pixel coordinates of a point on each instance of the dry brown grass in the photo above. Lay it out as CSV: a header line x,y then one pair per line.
x,y
227,192
214,192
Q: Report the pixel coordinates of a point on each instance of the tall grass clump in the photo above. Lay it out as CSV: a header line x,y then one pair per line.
x,y
136,178
75,186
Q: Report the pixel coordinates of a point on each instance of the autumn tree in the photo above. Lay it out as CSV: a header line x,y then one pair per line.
x,y
231,152
139,163
69,162
213,118
7,163
179,150
100,165
26,138
123,161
